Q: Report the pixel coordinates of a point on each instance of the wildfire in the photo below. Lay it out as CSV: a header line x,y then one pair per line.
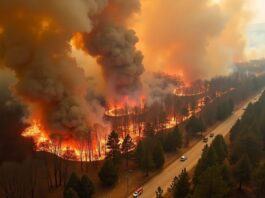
x,y
172,122
190,90
70,150
126,107
127,115
36,132
221,93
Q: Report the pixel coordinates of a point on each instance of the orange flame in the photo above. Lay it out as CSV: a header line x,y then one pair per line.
x,y
95,149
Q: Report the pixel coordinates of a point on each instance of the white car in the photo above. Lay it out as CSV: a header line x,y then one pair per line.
x,y
183,158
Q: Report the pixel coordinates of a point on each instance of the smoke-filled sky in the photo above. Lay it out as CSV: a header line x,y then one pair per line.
x,y
255,32
257,8
198,39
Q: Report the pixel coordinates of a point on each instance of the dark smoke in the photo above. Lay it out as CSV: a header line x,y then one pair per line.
x,y
13,147
113,44
34,43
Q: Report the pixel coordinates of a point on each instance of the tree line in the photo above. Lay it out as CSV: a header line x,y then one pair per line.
x,y
233,170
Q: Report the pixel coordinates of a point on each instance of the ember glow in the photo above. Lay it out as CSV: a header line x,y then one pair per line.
x,y
126,107
190,90
36,132
81,150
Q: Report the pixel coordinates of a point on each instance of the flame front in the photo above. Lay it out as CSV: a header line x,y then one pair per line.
x,y
125,119
76,150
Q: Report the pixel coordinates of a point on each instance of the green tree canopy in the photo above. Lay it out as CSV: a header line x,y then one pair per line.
x,y
87,187
173,140
113,146
194,125
220,148
211,184
127,146
242,171
73,183
70,193
108,173
259,181
182,186
249,145
158,155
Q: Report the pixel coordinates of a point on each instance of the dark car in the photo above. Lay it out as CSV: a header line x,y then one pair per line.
x,y
211,135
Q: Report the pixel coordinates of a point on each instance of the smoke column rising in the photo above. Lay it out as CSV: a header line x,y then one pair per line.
x,y
34,43
113,44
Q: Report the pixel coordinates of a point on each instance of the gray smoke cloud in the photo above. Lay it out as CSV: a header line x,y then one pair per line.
x,y
113,44
34,43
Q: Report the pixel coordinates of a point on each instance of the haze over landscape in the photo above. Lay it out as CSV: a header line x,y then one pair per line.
x,y
132,98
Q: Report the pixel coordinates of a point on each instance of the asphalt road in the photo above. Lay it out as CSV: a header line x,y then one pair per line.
x,y
165,178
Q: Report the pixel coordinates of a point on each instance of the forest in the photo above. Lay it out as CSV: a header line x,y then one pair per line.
x,y
232,166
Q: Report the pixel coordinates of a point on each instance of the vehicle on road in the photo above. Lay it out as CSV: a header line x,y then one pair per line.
x,y
211,135
138,192
183,158
205,139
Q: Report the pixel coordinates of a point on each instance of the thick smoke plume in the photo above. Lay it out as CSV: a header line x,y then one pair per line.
x,y
193,38
113,44
34,43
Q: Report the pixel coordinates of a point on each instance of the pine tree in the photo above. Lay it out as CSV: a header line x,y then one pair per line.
x,y
243,171
139,152
227,175
194,125
177,136
220,148
158,156
73,183
147,162
201,165
248,144
127,146
70,193
211,184
259,181
211,158
113,147
173,140
181,187
87,187
144,155
108,174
